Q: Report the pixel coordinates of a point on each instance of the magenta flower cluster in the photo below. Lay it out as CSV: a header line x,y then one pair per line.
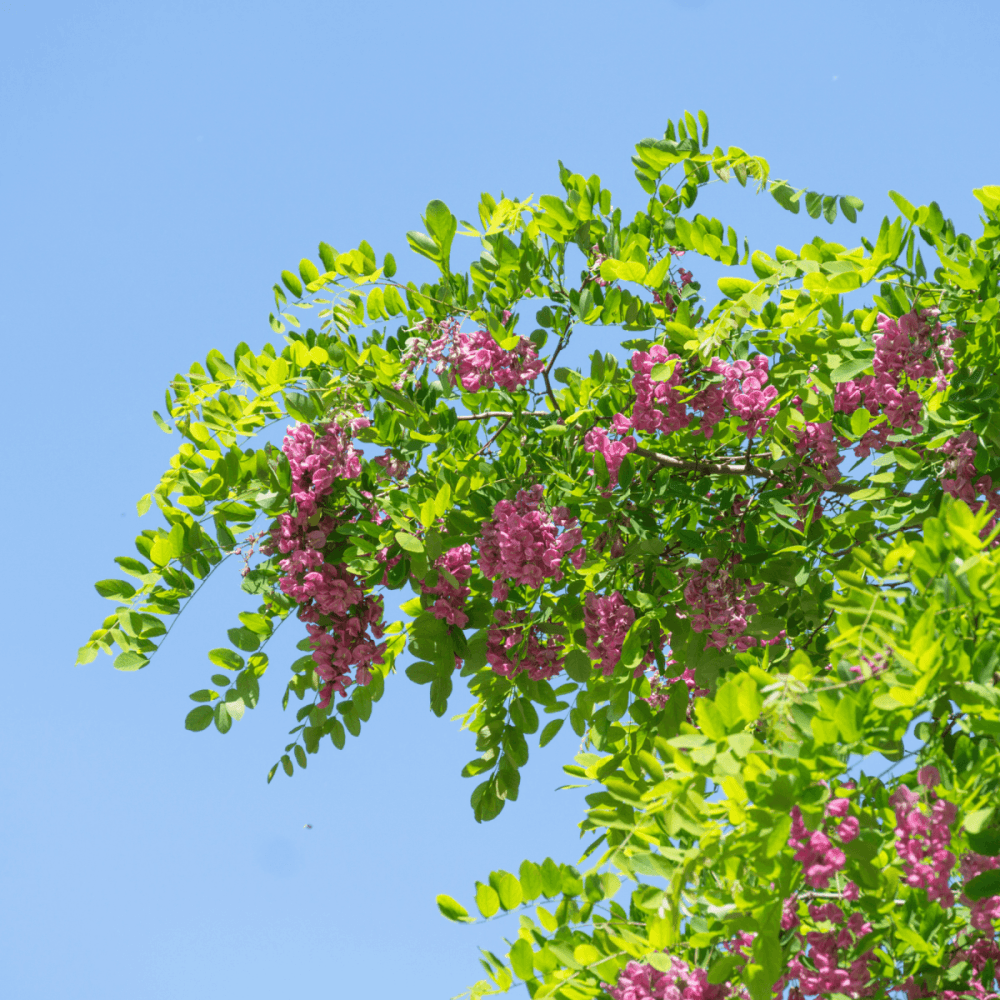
x,y
477,359
513,647
908,349
606,623
614,452
960,478
720,600
522,544
639,981
922,841
451,596
343,623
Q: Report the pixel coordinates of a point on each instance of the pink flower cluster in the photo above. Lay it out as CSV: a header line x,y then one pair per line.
x,y
660,689
483,363
959,479
984,911
479,361
614,452
910,349
513,648
721,602
823,951
522,545
744,391
391,468
818,855
606,623
451,597
922,841
339,616
658,405
638,981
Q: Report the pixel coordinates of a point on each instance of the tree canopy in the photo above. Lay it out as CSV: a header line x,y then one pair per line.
x,y
740,561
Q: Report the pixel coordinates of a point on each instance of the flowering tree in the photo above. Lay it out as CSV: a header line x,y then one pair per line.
x,y
668,552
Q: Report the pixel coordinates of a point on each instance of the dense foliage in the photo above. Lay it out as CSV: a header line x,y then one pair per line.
x,y
669,552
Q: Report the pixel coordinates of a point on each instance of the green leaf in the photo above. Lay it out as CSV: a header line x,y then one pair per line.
x,y
531,880
199,718
409,542
623,270
850,206
130,661
204,695
452,909
308,270
119,590
734,288
143,504
578,666
292,283
903,205
487,900
243,638
522,959
223,720
723,968
549,732
509,891
983,885
851,369
523,715
226,659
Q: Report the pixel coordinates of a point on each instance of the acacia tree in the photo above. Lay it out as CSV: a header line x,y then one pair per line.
x,y
667,552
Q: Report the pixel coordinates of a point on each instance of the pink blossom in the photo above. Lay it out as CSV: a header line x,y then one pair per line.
x,y
512,647
521,544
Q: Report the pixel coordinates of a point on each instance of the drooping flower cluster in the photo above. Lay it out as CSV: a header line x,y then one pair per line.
x,y
659,407
483,363
825,974
910,348
986,910
660,689
477,359
721,602
523,546
639,981
922,841
614,452
820,858
451,597
606,623
391,468
959,479
338,614
513,647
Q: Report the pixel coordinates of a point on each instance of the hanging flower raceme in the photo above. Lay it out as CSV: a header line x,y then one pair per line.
x,y
721,602
639,981
658,406
606,623
451,596
522,544
343,623
513,647
922,841
910,348
483,363
614,452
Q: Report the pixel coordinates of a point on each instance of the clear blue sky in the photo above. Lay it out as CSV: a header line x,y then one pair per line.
x,y
161,164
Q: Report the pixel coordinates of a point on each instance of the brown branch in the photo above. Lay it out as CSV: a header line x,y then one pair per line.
x,y
745,469
488,414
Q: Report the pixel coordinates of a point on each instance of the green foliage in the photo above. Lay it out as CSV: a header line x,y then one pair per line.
x,y
877,611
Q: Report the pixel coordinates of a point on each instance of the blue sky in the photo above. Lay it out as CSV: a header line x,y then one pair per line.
x,y
162,163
